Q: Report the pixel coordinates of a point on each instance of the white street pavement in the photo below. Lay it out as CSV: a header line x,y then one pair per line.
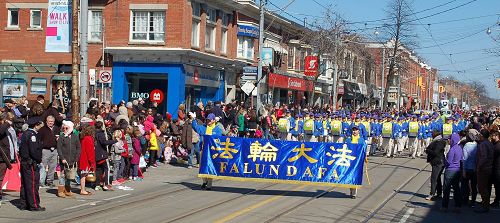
x,y
171,194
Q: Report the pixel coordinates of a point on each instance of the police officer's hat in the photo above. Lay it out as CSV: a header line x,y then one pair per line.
x,y
34,121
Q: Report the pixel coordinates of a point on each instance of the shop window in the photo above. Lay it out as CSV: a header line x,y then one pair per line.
x,y
245,47
36,18
291,57
210,38
223,48
38,86
95,25
13,19
148,26
195,33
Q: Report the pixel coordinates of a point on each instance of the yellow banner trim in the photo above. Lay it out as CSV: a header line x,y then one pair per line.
x,y
264,180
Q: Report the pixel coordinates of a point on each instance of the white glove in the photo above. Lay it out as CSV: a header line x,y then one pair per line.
x,y
192,114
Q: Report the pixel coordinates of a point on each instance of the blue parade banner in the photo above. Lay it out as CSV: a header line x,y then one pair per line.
x,y
246,159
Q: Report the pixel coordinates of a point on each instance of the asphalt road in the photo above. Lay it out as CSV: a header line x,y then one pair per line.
x,y
396,193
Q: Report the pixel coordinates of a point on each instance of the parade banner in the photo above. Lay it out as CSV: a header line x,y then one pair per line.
x,y
57,33
247,159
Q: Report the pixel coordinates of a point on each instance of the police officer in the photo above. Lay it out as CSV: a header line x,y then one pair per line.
x,y
30,153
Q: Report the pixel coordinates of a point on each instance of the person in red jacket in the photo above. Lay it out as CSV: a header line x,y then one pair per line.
x,y
87,156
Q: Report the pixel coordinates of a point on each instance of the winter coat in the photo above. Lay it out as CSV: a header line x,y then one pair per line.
x,y
123,115
101,145
496,160
69,148
484,156
4,140
187,135
87,156
153,142
435,151
136,144
117,149
455,154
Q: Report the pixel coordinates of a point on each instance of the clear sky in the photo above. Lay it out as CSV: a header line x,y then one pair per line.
x,y
454,29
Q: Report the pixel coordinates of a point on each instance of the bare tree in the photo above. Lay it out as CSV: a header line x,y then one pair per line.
x,y
400,32
325,37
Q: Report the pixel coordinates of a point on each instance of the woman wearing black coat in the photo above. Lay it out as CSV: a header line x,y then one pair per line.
x,y
435,156
101,157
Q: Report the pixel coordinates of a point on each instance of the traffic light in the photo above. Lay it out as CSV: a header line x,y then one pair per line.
x,y
419,81
441,89
498,83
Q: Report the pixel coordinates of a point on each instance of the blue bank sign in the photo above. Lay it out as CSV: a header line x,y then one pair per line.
x,y
248,30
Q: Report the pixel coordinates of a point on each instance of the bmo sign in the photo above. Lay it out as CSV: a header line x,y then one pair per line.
x,y
155,95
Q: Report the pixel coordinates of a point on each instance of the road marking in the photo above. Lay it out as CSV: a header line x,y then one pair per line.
x,y
407,215
82,205
257,205
94,203
112,198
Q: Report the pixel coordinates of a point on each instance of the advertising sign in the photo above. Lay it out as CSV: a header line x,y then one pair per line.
x,y
267,56
13,88
58,32
311,66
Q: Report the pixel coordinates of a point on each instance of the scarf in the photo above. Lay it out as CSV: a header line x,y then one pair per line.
x,y
210,128
355,139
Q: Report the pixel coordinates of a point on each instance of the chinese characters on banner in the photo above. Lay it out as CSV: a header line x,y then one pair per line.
x,y
330,164
57,33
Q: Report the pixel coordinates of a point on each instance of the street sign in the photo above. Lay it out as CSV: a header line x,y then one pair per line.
x,y
92,77
248,87
157,96
311,66
105,76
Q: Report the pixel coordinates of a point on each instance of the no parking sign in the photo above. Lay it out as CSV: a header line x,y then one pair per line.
x,y
105,76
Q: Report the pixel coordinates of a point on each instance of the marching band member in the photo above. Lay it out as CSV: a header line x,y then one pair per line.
x,y
326,128
284,126
318,129
308,127
414,128
336,126
389,134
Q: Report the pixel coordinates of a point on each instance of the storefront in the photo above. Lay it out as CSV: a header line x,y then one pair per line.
x,y
289,90
354,94
182,75
30,80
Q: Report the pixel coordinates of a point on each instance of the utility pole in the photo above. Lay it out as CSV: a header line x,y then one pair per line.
x,y
335,67
429,95
261,43
84,77
75,54
381,102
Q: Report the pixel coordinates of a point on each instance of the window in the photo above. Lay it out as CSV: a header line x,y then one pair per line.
x,y
223,48
225,19
38,86
210,38
36,18
302,60
148,26
195,33
245,47
196,7
211,15
13,20
291,57
95,25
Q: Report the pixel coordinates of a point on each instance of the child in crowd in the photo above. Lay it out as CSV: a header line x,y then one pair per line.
x,y
117,149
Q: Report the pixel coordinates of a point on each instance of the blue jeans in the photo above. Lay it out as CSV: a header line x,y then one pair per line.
x,y
194,151
134,171
452,179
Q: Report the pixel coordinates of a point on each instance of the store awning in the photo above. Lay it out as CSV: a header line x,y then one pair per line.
x,y
352,91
